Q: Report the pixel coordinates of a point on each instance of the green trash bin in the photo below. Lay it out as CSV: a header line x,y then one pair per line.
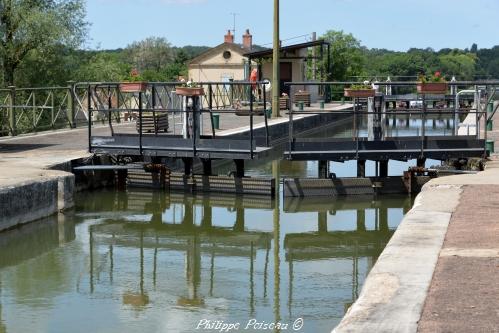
x,y
321,104
300,105
489,145
268,112
216,120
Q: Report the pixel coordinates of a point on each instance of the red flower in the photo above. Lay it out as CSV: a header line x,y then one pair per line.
x,y
134,72
437,74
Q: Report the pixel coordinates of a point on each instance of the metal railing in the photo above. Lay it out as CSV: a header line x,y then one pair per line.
x,y
105,103
378,109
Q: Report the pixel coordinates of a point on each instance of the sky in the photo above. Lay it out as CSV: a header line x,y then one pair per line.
x,y
391,24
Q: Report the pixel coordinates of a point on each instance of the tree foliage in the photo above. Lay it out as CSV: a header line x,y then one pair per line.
x,y
346,56
37,27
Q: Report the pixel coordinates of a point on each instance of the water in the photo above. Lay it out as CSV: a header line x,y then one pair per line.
x,y
151,262
145,261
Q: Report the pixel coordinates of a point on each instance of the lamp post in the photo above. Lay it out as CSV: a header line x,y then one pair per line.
x,y
275,63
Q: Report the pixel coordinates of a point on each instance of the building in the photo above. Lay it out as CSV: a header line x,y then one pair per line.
x,y
224,62
293,63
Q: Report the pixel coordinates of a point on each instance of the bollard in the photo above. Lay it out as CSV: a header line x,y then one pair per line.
x,y
216,120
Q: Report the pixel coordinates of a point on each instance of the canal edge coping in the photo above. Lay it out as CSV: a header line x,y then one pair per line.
x,y
395,290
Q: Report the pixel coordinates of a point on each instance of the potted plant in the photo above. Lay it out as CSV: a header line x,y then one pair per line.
x,y
134,83
434,84
189,88
359,91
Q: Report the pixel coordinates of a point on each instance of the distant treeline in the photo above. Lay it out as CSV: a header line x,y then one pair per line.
x,y
39,52
351,60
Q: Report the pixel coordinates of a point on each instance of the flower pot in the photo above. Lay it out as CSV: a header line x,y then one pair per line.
x,y
359,93
140,86
432,88
188,91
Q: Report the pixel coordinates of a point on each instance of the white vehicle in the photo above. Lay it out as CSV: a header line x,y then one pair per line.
x,y
416,104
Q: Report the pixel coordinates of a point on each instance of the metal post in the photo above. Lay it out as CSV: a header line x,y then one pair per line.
x,y
33,103
290,126
251,121
210,103
355,133
361,168
71,110
276,63
383,168
153,101
478,97
109,110
239,168
207,170
89,106
323,169
423,116
12,111
52,112
328,75
265,116
194,123
140,123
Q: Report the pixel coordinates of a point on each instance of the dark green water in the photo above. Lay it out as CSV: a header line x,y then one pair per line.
x,y
145,261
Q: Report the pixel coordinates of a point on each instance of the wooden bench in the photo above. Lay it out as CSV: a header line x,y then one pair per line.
x,y
303,96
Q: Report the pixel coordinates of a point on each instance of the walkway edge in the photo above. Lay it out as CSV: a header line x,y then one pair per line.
x,y
45,193
395,290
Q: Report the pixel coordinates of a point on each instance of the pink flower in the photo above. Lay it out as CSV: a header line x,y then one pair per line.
x,y
437,74
134,72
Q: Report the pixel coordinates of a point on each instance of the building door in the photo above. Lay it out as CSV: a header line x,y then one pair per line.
x,y
286,76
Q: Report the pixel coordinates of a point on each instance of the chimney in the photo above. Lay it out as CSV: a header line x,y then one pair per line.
x,y
229,38
247,40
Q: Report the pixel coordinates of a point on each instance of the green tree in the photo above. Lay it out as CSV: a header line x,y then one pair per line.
x,y
347,58
153,53
29,26
102,67
461,65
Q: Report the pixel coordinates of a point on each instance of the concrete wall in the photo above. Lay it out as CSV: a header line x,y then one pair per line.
x,y
36,199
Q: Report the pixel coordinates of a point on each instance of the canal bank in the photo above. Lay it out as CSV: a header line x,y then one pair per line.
x,y
436,274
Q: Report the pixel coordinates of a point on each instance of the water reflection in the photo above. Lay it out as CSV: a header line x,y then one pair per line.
x,y
149,261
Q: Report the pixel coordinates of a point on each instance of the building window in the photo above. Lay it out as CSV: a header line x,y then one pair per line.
x,y
227,55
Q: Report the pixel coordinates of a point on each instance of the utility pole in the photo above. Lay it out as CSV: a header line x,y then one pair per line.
x,y
275,64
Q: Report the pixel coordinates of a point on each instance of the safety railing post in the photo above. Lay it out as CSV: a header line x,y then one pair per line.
x,y
12,110
290,125
89,106
251,121
140,123
265,115
52,109
71,107
210,106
